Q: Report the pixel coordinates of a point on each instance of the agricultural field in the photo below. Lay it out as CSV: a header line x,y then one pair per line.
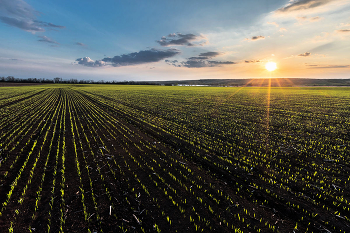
x,y
109,158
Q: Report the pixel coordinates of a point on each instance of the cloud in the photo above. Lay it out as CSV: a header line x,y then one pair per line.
x,y
252,61
200,61
314,19
191,63
18,13
46,39
305,18
307,54
258,37
276,24
344,25
45,24
198,58
86,61
210,54
282,29
181,39
144,56
81,44
298,5
216,63
328,66
343,31
194,64
26,25
173,63
205,56
273,23
254,38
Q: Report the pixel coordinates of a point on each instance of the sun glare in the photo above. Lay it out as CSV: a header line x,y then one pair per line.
x,y
271,66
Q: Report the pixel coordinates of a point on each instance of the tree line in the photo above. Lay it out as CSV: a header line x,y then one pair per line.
x,y
12,79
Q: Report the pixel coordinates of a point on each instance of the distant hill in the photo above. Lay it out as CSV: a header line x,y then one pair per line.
x,y
275,82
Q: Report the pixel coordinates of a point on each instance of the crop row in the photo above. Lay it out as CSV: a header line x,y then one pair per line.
x,y
150,159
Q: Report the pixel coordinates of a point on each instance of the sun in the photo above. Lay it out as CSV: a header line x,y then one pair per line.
x,y
271,66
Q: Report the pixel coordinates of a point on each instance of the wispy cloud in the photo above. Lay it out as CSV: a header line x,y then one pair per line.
x,y
343,31
198,63
202,60
181,39
283,29
344,25
136,58
47,40
308,19
254,38
45,24
18,13
328,66
252,61
79,43
206,55
298,5
277,25
210,54
218,63
307,54
273,23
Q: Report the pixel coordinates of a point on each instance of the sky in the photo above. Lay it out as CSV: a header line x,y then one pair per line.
x,y
137,40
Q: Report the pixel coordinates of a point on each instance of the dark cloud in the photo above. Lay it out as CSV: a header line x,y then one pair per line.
x,y
329,66
179,39
302,5
216,63
23,24
198,58
256,38
344,31
18,13
194,64
210,54
46,39
307,54
144,56
252,61
81,44
86,61
173,63
205,56
198,63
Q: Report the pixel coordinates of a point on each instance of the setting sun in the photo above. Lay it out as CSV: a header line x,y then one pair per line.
x,y
271,66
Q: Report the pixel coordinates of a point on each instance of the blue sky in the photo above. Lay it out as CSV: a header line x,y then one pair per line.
x,y
173,40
